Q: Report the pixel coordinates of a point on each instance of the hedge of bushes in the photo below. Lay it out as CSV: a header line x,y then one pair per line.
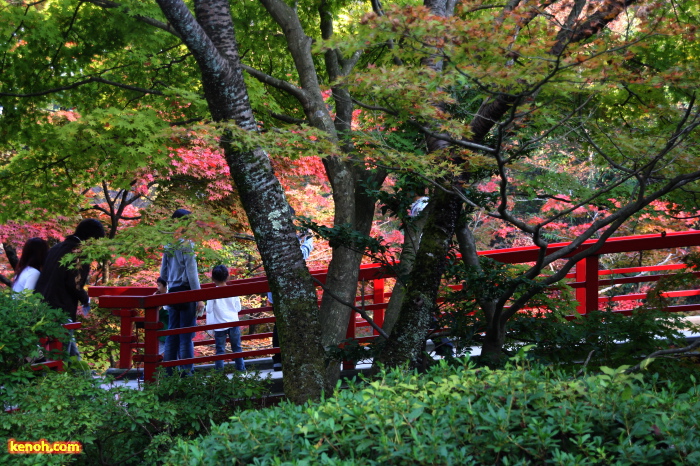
x,y
453,414
119,425
463,415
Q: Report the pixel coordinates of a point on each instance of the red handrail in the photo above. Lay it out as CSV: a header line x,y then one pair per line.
x,y
586,282
52,346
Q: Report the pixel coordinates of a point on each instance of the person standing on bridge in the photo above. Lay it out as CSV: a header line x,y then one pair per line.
x,y
179,269
30,264
62,286
224,310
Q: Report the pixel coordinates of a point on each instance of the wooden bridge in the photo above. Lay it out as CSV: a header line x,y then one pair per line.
x,y
139,304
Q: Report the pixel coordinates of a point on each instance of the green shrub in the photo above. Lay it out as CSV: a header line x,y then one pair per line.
x,y
461,415
207,397
24,320
120,425
609,338
604,338
93,338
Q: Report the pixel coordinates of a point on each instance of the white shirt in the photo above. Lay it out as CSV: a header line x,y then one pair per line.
x,y
223,310
26,280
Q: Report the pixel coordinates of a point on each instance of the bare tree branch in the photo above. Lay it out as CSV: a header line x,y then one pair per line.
x,y
362,312
287,118
299,45
608,11
93,79
144,19
280,84
655,354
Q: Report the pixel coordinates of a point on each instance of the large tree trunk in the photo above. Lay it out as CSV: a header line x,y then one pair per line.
x,y
409,249
495,336
419,304
211,39
357,210
352,206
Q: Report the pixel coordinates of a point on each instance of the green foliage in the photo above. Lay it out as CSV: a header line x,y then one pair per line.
x,y
353,351
609,338
347,236
25,319
550,322
398,200
462,415
488,284
207,398
93,338
122,425
202,231
292,144
612,104
60,159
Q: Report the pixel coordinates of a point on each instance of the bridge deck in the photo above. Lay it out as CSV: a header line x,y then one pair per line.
x,y
264,368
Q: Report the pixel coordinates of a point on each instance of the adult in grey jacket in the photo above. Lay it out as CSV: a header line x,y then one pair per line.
x,y
179,269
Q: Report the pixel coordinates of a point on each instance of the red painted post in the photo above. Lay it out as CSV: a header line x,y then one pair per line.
x,y
126,337
151,356
591,283
350,333
581,292
57,346
378,315
53,347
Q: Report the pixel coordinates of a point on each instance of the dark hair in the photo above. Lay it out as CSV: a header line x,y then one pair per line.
x,y
89,228
181,213
33,255
219,273
162,281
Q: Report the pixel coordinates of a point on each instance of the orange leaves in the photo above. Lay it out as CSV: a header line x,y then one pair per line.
x,y
368,18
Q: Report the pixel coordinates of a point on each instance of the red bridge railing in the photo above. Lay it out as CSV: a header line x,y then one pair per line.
x,y
51,346
586,279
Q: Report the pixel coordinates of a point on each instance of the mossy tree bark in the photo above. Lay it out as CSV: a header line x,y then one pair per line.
x,y
419,304
211,40
411,242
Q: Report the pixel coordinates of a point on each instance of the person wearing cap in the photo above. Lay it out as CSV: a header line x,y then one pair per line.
x,y
179,269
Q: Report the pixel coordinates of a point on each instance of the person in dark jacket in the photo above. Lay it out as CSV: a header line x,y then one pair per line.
x,y
63,286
